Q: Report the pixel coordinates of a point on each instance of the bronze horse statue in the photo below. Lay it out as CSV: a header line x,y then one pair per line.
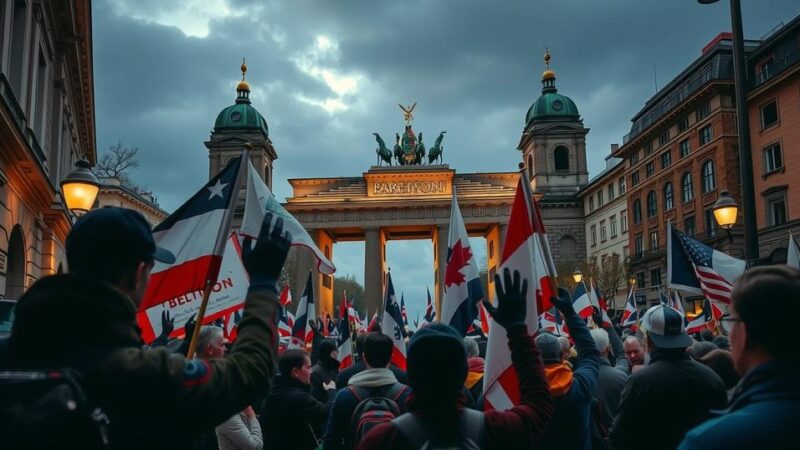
x,y
383,152
398,150
420,153
435,153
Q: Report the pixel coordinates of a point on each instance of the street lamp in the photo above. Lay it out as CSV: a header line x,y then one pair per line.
x,y
80,188
632,280
577,275
743,125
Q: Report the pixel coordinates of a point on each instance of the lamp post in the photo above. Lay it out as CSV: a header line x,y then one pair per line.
x,y
725,211
577,275
743,124
80,188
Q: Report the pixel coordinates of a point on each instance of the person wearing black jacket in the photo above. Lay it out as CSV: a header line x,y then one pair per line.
x,y
326,369
292,418
673,393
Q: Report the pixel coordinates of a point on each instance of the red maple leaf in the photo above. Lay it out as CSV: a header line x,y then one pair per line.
x,y
459,258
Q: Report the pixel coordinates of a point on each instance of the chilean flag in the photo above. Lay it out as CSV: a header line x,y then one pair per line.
x,y
392,325
630,317
306,313
526,250
345,344
581,301
195,234
462,287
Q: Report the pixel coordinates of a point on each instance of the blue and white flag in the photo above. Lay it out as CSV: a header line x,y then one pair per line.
x,y
462,287
693,266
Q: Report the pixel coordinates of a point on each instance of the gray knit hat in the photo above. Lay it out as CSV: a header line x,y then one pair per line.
x,y
550,348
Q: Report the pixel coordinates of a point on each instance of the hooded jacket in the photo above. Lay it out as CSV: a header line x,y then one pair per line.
x,y
572,392
673,389
326,370
762,414
153,398
290,413
517,428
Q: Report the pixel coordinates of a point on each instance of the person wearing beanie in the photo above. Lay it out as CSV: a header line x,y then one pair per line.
x,y
572,388
326,369
437,369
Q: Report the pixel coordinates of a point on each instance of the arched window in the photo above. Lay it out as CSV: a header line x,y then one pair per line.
x,y
569,248
709,183
637,211
15,278
668,203
687,187
561,156
652,204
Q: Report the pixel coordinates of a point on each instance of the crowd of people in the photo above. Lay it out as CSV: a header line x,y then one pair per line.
x,y
99,386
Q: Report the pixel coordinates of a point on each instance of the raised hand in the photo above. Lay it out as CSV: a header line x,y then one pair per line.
x,y
511,306
167,323
564,302
264,261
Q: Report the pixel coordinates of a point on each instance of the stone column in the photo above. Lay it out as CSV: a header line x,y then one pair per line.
x,y
374,268
323,284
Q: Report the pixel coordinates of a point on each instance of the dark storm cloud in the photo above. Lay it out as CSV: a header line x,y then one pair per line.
x,y
163,71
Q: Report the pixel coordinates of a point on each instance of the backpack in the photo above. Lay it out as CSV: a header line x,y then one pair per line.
x,y
373,409
49,410
419,436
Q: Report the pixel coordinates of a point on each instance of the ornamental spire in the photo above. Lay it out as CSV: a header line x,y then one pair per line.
x,y
243,88
548,76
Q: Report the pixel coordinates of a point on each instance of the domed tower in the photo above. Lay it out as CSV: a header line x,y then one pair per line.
x,y
553,143
237,125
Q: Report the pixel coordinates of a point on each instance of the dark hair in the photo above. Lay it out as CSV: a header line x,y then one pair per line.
x,y
721,362
291,359
377,350
761,298
360,338
722,342
326,347
707,335
701,348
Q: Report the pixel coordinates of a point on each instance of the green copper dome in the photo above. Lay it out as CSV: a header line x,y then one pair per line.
x,y
240,116
552,105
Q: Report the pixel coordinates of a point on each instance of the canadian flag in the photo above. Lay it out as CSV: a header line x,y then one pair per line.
x,y
306,313
526,250
392,325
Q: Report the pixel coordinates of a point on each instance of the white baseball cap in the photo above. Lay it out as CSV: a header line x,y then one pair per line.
x,y
665,327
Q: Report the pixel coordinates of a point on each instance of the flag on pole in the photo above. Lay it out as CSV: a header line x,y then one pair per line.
x,y
286,296
553,322
581,301
403,309
373,324
701,321
664,299
259,201
286,323
345,344
484,316
695,267
677,303
630,317
793,255
599,302
462,287
430,311
392,324
195,233
302,332
526,251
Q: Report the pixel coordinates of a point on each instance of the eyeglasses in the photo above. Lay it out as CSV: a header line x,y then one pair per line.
x,y
727,321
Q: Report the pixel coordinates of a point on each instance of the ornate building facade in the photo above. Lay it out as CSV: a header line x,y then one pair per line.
x,y
46,124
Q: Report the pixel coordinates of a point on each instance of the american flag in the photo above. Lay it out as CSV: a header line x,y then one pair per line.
x,y
713,285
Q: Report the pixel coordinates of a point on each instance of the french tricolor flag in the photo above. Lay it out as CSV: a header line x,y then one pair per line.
x,y
306,313
195,233
526,250
392,325
462,287
581,302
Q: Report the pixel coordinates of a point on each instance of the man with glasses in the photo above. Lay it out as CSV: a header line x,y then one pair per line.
x,y
766,404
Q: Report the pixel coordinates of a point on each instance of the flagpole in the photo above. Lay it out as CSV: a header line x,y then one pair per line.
x,y
222,236
543,244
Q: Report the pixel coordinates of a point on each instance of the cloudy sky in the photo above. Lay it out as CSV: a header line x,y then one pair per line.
x,y
326,74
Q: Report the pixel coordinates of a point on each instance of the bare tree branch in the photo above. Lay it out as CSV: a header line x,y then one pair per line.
x,y
117,162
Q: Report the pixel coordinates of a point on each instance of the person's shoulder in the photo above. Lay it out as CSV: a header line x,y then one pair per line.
x,y
728,431
381,437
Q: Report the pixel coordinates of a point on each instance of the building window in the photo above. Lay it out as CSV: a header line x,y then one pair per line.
x,y
685,148
635,178
637,211
687,186
776,209
18,31
663,139
634,158
650,169
703,111
612,225
666,159
653,241
655,277
623,221
688,226
773,158
652,205
683,124
600,198
704,135
638,245
603,236
769,114
622,186
591,203
594,235
641,281
711,223
611,191
648,148
708,177
561,156
668,197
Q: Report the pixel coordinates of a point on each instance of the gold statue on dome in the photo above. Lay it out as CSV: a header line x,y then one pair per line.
x,y
408,112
